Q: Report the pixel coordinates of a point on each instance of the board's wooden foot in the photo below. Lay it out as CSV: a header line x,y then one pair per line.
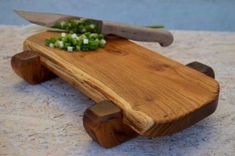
x,y
103,122
27,65
202,68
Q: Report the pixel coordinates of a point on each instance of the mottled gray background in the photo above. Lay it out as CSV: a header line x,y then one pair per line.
x,y
174,14
46,119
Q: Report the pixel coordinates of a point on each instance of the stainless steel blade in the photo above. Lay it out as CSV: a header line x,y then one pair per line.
x,y
132,32
49,19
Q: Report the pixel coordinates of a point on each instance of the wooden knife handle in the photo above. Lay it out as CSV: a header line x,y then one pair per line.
x,y
138,33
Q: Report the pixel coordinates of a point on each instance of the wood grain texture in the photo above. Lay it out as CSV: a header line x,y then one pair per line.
x,y
103,122
27,65
158,96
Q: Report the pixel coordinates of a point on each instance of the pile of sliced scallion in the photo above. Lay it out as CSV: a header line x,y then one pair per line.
x,y
81,35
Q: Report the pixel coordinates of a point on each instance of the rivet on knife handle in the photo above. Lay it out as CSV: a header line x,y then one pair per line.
x,y
138,33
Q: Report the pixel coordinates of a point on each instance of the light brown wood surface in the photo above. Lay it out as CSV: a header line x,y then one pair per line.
x,y
158,96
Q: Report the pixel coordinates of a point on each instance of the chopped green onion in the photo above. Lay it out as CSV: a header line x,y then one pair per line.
x,y
72,42
102,43
85,41
78,26
69,48
82,34
51,45
63,34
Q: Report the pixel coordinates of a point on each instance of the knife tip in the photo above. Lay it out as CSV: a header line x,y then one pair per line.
x,y
18,12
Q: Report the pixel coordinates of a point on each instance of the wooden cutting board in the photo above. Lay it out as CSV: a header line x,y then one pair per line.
x,y
157,95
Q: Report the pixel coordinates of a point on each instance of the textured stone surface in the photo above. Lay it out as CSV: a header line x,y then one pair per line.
x,y
46,119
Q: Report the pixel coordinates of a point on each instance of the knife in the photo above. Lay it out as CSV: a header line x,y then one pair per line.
x,y
133,32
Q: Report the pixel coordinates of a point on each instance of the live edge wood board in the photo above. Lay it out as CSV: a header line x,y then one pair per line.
x,y
157,95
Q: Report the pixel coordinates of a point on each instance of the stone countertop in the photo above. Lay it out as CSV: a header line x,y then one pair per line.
x,y
46,119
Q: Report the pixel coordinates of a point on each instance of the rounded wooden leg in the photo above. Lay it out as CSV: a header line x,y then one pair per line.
x,y
202,68
103,122
27,65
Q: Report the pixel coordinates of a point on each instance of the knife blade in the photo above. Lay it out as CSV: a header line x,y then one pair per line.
x,y
133,32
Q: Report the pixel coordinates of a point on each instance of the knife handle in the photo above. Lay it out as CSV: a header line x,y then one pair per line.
x,y
138,33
